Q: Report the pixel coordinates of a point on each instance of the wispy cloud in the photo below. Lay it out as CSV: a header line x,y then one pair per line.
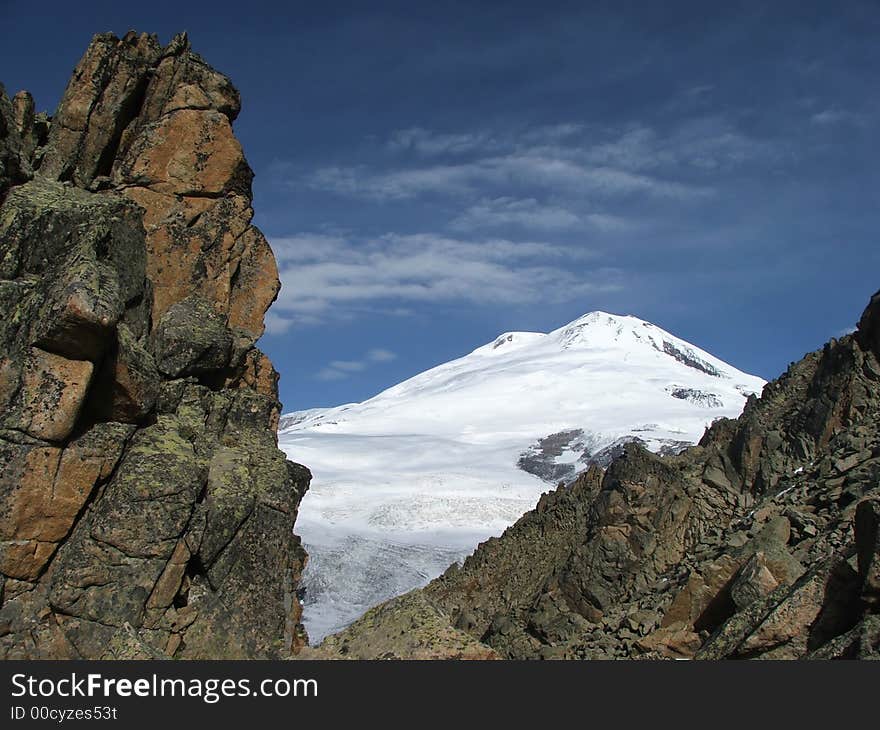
x,y
570,193
506,211
379,354
562,159
341,369
428,143
702,144
528,169
834,116
700,90
326,277
529,213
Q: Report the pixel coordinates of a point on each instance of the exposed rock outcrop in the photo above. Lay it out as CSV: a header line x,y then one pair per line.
x,y
761,542
146,509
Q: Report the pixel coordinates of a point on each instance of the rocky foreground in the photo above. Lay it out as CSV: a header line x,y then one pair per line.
x,y
761,542
145,510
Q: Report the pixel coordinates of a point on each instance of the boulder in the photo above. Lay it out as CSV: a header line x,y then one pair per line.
x,y
754,582
53,389
191,339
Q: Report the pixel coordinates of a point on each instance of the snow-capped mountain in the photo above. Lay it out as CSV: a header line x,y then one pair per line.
x,y
412,479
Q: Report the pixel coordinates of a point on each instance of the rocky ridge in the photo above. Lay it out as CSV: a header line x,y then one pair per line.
x,y
761,542
146,509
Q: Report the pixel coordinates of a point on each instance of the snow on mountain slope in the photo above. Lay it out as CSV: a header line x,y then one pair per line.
x,y
413,478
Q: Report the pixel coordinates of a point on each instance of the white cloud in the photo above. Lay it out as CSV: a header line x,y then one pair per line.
x,y
530,214
380,355
330,374
833,116
330,278
589,186
610,223
341,369
428,143
529,169
506,211
563,159
700,90
277,325
349,366
559,160
551,133
393,185
704,143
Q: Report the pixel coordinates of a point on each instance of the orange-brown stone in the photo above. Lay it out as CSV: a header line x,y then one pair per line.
x,y
53,389
188,152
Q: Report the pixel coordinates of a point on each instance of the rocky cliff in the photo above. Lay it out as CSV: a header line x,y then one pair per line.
x,y
761,542
145,509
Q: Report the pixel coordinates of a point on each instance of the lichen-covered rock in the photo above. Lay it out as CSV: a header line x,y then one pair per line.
x,y
145,509
44,488
191,339
156,124
52,391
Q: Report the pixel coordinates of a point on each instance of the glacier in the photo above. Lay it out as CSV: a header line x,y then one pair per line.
x,y
411,480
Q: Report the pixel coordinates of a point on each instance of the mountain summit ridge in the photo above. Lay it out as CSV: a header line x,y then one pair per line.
x,y
595,330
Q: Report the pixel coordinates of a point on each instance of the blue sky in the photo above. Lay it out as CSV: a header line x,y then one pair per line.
x,y
432,176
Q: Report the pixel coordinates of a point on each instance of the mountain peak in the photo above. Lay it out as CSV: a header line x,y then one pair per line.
x,y
509,341
597,328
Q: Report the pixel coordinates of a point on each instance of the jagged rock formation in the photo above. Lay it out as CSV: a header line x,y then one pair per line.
x,y
146,510
761,542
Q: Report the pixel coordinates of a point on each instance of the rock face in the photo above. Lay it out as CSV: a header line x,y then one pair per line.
x,y
145,509
761,542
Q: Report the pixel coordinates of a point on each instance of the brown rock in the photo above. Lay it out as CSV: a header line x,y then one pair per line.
x,y
105,91
407,627
702,597
167,586
53,390
754,581
24,559
258,373
785,631
675,641
44,489
15,165
158,123
191,153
